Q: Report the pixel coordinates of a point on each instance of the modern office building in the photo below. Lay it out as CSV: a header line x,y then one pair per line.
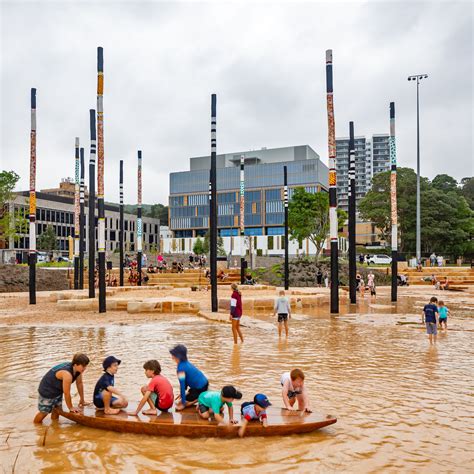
x,y
264,212
57,211
372,157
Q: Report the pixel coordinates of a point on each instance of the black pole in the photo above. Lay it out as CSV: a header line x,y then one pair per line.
x,y
76,214
332,186
285,197
32,216
213,206
139,220
92,204
352,217
82,223
121,223
393,202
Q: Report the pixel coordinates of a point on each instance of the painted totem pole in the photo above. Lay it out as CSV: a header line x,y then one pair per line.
x,y
393,201
352,217
92,204
242,219
121,222
139,220
82,222
213,205
76,214
32,252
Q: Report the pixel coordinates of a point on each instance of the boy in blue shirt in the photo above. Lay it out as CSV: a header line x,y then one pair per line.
x,y
430,317
105,390
188,376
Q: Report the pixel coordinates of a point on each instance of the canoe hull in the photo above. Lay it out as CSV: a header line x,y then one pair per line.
x,y
188,424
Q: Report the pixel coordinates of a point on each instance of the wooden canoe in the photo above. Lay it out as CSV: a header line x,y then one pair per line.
x,y
188,423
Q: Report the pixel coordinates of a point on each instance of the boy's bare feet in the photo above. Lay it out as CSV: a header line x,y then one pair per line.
x,y
111,411
150,411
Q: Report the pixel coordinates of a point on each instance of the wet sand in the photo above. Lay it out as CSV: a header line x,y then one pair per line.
x,y
401,405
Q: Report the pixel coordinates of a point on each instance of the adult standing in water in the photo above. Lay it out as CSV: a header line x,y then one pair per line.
x,y
236,312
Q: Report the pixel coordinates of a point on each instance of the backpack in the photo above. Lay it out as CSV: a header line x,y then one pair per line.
x,y
245,404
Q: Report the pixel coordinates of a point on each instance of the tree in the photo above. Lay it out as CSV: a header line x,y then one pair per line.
x,y
205,244
220,246
308,218
197,248
159,211
446,220
467,191
48,240
11,225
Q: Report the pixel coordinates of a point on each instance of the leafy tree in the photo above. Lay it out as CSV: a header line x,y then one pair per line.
x,y
11,225
467,191
308,217
446,220
159,211
206,244
220,246
197,248
48,240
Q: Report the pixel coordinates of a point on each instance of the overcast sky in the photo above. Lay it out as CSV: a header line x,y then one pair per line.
x,y
266,64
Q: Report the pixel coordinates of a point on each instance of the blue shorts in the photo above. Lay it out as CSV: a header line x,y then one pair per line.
x,y
46,405
431,328
99,401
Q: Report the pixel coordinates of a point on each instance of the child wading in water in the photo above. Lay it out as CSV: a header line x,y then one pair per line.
x,y
430,317
293,389
443,315
57,381
282,308
236,312
158,393
213,402
105,390
188,376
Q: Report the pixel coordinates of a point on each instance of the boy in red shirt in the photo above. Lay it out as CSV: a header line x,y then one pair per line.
x,y
158,393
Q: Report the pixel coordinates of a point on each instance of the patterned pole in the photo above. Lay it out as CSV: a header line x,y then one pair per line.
x,y
100,178
213,205
332,186
32,253
92,204
352,217
76,216
285,199
242,219
393,201
121,222
82,222
139,220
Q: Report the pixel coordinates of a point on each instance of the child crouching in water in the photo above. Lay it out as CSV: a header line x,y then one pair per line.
x,y
213,402
293,389
255,410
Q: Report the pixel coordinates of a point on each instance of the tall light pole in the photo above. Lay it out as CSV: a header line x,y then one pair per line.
x,y
418,78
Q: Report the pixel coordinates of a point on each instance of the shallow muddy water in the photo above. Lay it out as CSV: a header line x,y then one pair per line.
x,y
402,406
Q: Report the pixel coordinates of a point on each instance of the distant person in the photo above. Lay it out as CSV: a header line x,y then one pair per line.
x,y
283,309
439,258
433,259
236,312
361,258
362,286
358,278
371,283
431,319
326,280
105,390
445,284
293,390
222,276
56,382
249,280
319,278
443,315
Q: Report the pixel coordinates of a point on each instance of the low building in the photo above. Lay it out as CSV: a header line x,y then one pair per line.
x,y
57,211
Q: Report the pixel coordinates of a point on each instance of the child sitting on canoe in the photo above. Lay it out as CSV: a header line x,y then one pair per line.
x,y
188,376
293,389
213,402
105,390
255,410
158,393
57,381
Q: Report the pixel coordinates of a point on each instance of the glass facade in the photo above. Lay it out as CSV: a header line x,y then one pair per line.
x,y
264,209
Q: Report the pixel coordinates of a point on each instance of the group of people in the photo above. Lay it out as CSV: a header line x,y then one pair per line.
x,y
158,392
322,277
361,286
436,260
435,314
438,284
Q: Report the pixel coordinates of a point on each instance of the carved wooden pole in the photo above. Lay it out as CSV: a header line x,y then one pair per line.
x,y
121,222
76,214
213,206
393,201
32,252
92,204
82,222
352,217
139,219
